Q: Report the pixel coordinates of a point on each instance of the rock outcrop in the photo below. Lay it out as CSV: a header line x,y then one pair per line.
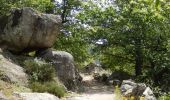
x,y
2,96
36,96
130,88
64,65
26,30
11,72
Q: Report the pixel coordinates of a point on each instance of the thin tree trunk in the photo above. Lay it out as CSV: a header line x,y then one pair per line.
x,y
63,15
138,58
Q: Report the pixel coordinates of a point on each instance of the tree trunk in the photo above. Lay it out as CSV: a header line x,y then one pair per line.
x,y
63,15
138,58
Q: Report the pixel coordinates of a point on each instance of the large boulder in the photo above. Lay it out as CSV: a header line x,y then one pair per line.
x,y
26,30
64,65
11,72
130,88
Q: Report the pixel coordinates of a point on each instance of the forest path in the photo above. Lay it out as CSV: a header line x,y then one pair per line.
x,y
93,90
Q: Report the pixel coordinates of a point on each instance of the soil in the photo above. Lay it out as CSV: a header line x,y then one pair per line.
x,y
93,91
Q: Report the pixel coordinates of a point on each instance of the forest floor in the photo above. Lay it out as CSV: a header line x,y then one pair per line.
x,y
93,90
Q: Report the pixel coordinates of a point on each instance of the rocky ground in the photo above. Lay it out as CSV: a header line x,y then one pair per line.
x,y
93,91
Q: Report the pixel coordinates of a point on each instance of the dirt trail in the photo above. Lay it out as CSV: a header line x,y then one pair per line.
x,y
94,91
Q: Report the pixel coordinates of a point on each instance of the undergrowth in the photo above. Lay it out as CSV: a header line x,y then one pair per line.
x,y
42,76
50,87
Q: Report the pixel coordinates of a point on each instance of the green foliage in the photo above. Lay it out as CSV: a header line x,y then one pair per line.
x,y
137,34
165,97
40,5
66,8
73,37
50,87
75,45
40,72
5,6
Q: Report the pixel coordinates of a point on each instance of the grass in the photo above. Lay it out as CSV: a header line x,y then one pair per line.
x,y
8,89
50,87
118,93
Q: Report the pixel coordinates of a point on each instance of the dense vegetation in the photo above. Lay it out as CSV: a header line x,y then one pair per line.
x,y
137,34
126,35
42,78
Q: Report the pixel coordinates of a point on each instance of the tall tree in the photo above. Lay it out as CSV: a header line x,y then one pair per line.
x,y
72,37
136,32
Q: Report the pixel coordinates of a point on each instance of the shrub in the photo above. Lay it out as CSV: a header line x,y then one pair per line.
x,y
117,92
42,78
50,87
165,97
39,72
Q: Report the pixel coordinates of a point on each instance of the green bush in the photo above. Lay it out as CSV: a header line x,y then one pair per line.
x,y
50,87
39,72
42,78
